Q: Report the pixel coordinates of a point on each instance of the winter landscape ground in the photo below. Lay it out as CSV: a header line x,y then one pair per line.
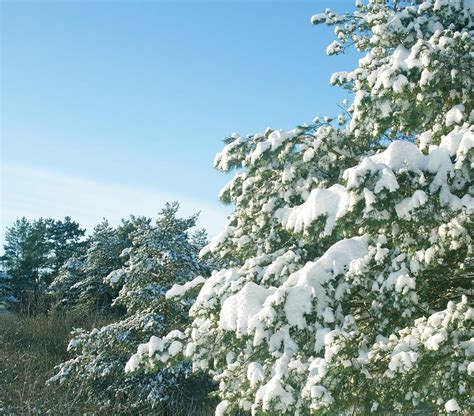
x,y
340,284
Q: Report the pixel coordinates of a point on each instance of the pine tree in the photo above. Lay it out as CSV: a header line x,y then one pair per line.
x,y
35,251
80,282
25,257
159,255
348,252
65,240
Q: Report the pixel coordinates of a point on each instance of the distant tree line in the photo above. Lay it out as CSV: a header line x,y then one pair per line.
x,y
34,252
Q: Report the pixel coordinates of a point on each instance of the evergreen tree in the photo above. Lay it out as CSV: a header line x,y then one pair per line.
x,y
34,252
66,240
25,256
80,282
6,292
160,255
348,251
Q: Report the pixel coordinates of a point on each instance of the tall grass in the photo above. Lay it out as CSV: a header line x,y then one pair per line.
x,y
30,347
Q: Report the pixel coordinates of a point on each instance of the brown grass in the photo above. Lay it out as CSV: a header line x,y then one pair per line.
x,y
30,347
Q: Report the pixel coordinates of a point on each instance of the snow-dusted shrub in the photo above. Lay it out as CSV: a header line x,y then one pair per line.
x,y
348,250
160,255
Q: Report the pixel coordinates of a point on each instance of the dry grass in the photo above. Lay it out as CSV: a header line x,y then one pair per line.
x,y
30,347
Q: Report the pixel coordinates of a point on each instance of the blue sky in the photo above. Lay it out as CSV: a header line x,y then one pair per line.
x,y
111,108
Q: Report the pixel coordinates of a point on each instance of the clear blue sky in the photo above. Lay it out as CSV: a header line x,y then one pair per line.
x,y
112,107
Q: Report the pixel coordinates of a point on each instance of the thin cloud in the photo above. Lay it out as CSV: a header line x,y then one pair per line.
x,y
37,192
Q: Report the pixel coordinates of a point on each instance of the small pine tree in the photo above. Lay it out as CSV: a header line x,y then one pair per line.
x,y
160,254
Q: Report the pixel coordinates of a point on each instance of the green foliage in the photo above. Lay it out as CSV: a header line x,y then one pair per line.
x,y
34,252
80,282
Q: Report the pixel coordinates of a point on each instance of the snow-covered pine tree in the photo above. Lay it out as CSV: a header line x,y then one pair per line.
x,y
160,255
65,287
80,284
348,284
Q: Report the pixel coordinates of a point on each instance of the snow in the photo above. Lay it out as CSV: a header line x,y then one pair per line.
x,y
387,181
245,239
320,392
424,139
298,304
275,140
458,141
278,137
404,281
239,311
318,18
432,343
402,155
125,252
261,148
175,348
328,315
452,406
426,77
213,286
179,290
400,57
278,264
317,369
72,344
334,47
369,198
133,363
143,348
399,84
115,276
403,361
223,158
398,155
274,393
221,408
155,345
306,284
405,208
399,279
255,373
216,241
308,155
332,202
455,115
164,348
